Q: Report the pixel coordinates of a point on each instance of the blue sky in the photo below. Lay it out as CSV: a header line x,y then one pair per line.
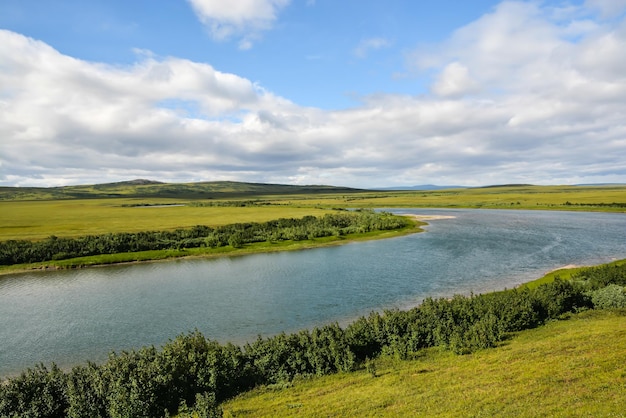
x,y
352,93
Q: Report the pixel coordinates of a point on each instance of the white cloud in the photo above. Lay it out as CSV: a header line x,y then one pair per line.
x,y
607,8
370,44
241,18
517,99
510,43
454,80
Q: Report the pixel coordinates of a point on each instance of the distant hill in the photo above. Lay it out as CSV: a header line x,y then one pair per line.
x,y
506,185
422,187
136,182
142,188
601,184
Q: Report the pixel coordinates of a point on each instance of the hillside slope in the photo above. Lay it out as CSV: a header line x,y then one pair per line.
x,y
147,188
569,368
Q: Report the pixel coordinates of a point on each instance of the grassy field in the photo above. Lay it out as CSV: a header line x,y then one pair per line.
x,y
599,198
33,220
568,368
151,189
46,214
35,214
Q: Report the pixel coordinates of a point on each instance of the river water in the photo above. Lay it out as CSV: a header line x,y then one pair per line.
x,y
69,317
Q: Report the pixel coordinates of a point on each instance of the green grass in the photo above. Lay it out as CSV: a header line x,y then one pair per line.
x,y
111,208
34,220
568,368
207,252
38,219
564,273
583,198
151,189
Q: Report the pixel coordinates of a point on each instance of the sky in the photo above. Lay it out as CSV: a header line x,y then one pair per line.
x,y
357,93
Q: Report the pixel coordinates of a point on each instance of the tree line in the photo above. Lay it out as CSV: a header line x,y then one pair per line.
x,y
235,235
193,374
601,205
197,204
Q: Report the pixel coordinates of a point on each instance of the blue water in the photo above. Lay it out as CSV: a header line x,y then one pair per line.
x,y
69,317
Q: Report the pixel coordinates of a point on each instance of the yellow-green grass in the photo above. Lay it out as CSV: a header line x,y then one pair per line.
x,y
33,220
74,217
564,273
521,197
207,252
568,368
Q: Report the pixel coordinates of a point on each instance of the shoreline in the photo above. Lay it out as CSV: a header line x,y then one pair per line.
x,y
567,267
75,264
423,218
343,322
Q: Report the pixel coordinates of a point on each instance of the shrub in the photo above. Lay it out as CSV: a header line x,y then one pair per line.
x,y
37,393
612,296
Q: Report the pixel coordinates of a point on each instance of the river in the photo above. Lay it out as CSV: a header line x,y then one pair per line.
x,y
69,317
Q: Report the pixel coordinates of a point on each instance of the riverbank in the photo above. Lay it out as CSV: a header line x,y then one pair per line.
x,y
399,338
208,252
570,367
235,299
424,218
566,272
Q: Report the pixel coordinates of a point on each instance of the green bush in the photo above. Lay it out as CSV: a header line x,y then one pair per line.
x,y
36,393
612,296
192,374
236,235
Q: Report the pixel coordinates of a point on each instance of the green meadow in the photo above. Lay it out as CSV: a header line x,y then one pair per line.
x,y
35,214
34,220
568,368
610,198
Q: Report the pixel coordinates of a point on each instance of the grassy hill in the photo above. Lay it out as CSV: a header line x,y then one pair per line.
x,y
36,213
148,189
568,368
608,198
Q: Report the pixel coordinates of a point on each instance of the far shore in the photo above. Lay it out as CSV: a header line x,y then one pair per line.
x,y
170,255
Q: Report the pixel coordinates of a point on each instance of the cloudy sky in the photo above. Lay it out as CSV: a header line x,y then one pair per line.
x,y
361,93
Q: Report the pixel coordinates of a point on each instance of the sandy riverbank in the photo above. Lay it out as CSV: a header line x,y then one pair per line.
x,y
429,217
569,266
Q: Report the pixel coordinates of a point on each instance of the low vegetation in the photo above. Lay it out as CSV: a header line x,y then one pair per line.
x,y
568,368
149,189
234,235
37,220
36,214
436,359
127,246
195,376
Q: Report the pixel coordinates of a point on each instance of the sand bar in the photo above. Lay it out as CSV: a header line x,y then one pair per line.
x,y
430,217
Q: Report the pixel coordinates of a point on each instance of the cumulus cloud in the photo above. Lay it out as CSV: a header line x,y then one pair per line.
x,y
454,80
242,18
516,98
75,115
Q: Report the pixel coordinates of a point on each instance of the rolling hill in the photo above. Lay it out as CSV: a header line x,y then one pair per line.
x,y
142,188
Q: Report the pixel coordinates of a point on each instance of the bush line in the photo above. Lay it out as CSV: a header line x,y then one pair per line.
x,y
236,235
192,374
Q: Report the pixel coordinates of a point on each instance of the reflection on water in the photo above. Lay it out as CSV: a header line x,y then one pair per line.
x,y
72,316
